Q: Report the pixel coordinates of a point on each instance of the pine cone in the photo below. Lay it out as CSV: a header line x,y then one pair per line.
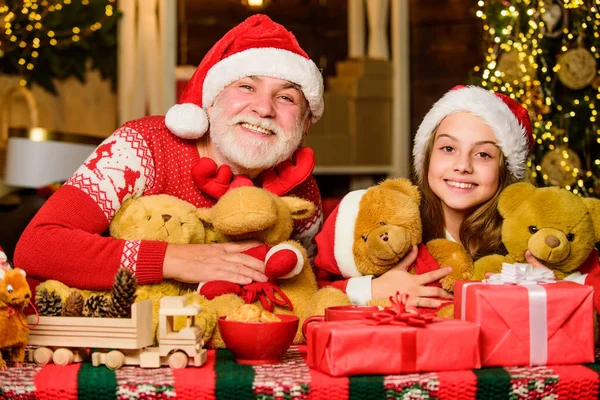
x,y
73,305
123,294
97,306
49,304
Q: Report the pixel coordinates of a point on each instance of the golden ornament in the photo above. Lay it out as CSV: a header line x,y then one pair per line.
x,y
578,68
512,67
559,174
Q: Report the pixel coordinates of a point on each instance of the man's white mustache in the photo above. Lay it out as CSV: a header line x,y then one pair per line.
x,y
259,122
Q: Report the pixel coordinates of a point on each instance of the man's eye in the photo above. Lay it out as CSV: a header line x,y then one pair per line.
x,y
286,98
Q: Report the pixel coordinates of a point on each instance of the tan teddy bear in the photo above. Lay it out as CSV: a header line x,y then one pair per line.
x,y
558,227
372,230
157,217
253,213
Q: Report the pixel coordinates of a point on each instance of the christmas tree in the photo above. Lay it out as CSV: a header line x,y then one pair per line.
x,y
544,53
43,40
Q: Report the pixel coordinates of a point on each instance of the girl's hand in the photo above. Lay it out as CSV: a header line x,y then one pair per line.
x,y
535,263
194,263
398,279
530,258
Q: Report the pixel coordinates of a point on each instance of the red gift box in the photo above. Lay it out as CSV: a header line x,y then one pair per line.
x,y
526,325
362,347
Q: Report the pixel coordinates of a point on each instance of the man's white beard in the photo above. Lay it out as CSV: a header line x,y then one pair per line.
x,y
247,151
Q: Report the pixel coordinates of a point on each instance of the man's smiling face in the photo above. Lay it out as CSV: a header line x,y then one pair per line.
x,y
258,122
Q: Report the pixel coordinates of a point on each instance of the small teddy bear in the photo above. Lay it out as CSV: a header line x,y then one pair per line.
x,y
372,230
14,331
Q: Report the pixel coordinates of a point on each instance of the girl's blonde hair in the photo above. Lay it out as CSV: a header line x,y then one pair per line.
x,y
480,231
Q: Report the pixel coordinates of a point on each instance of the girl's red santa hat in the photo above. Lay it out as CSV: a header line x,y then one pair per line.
x,y
337,236
256,47
507,118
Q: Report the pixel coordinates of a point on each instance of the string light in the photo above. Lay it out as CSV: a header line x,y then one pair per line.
x,y
518,63
36,34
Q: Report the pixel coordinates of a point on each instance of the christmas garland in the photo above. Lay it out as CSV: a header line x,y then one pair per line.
x,y
43,41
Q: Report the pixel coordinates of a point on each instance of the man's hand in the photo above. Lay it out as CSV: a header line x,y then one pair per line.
x,y
196,263
399,279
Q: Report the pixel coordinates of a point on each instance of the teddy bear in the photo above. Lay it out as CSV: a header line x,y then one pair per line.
x,y
241,213
254,213
371,231
558,227
162,218
14,331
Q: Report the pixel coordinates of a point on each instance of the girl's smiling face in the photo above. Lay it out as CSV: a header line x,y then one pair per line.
x,y
465,163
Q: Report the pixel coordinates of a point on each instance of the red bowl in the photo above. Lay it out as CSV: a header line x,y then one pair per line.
x,y
259,342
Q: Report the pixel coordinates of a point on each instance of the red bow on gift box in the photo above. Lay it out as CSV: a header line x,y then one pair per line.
x,y
397,313
268,293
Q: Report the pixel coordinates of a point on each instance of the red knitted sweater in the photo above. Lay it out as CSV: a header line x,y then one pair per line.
x,y
67,239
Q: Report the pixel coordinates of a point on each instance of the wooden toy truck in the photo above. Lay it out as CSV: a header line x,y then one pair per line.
x,y
64,340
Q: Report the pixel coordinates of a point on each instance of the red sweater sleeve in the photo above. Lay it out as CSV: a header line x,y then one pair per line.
x,y
63,242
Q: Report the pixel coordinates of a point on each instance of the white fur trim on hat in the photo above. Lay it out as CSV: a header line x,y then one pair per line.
x,y
187,120
344,233
299,259
270,62
511,135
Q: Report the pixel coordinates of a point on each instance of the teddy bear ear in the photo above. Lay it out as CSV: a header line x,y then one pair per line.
x,y
512,196
593,205
403,185
299,208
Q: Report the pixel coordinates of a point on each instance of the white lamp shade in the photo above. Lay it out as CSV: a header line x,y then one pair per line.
x,y
33,164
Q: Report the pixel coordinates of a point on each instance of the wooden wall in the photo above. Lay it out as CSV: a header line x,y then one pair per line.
x,y
445,45
445,38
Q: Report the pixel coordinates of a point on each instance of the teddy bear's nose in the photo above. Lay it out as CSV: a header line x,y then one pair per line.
x,y
552,241
384,237
166,217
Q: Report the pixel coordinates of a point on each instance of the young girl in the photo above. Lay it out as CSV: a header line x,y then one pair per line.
x,y
469,147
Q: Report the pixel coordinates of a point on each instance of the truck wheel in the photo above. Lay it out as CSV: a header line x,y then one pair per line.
x,y
62,357
178,360
115,360
42,355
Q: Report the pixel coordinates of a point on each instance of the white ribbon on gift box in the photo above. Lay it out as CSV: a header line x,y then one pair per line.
x,y
529,277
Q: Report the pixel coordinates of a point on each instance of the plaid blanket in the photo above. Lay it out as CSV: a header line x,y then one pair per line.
x,y
223,378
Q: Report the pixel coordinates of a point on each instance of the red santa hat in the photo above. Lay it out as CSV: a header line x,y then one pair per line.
x,y
507,118
334,242
258,46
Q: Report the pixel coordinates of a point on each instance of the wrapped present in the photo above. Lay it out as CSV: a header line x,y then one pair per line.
x,y
529,319
392,342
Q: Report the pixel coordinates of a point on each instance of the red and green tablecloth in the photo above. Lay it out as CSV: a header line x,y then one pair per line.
x,y
223,378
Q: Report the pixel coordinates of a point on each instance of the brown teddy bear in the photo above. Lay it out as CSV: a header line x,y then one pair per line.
x,y
372,230
14,332
558,227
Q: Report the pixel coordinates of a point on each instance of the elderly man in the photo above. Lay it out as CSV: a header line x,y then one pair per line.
x,y
245,110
